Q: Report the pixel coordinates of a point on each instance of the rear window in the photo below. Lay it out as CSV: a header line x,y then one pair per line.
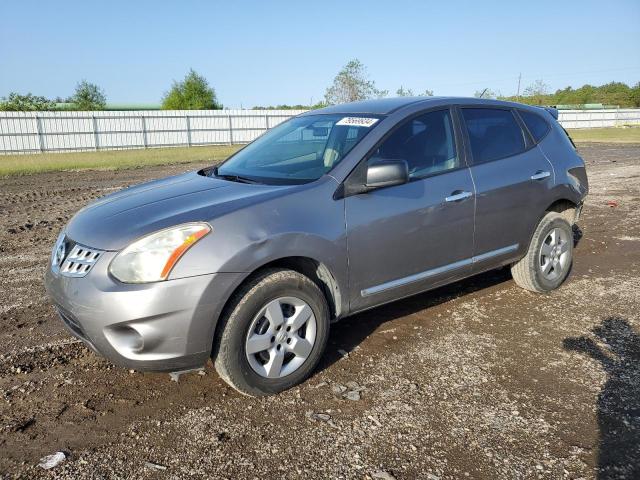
x,y
538,126
493,133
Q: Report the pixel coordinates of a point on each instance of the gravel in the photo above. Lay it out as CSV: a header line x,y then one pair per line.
x,y
476,380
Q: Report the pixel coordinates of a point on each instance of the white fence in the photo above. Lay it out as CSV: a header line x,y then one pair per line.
x,y
599,118
37,132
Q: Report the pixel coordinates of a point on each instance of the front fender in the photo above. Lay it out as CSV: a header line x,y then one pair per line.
x,y
331,255
306,223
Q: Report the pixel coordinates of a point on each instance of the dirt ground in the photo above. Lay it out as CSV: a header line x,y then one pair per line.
x,y
480,379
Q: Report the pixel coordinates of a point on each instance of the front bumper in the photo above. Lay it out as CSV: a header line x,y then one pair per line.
x,y
162,326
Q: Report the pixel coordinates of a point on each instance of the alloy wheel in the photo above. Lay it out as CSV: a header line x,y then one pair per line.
x,y
554,254
281,337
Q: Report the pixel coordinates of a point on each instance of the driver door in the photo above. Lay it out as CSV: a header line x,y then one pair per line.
x,y
408,238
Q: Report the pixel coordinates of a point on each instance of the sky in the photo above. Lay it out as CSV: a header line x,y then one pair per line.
x,y
287,52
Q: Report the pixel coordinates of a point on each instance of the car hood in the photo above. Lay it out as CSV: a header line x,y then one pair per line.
x,y
114,221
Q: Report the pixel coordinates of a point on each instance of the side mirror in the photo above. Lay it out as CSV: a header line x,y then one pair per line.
x,y
386,173
376,173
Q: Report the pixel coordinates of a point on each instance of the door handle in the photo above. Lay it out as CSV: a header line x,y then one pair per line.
x,y
457,196
539,175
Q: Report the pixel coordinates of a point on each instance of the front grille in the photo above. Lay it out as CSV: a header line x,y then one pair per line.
x,y
79,261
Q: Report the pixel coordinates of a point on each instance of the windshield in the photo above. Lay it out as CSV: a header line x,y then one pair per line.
x,y
299,150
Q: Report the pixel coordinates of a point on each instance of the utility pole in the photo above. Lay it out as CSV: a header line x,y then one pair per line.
x,y
519,78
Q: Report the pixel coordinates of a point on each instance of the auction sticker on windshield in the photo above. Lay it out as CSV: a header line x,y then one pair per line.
x,y
357,121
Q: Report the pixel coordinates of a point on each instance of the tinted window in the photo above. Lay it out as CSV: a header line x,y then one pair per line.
x,y
425,142
538,126
493,133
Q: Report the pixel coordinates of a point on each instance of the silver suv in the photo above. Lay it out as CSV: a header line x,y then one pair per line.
x,y
330,213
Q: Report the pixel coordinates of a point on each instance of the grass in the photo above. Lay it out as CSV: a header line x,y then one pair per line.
x,y
111,160
606,135
118,159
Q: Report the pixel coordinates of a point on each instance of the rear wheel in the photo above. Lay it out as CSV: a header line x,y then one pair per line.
x,y
273,334
549,257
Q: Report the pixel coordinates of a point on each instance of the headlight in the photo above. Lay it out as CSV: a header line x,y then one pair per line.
x,y
152,258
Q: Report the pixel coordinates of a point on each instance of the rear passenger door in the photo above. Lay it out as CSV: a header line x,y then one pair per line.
x,y
512,179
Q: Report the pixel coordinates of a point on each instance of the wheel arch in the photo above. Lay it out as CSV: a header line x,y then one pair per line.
x,y
564,206
313,269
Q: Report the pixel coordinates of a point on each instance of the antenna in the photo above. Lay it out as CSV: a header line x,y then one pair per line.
x,y
483,92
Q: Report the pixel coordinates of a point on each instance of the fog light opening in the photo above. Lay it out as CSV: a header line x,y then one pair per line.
x,y
136,341
128,339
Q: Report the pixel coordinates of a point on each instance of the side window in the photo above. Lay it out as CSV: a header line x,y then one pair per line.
x,y
426,142
493,133
538,126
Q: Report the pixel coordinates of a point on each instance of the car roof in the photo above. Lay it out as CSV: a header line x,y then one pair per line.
x,y
386,106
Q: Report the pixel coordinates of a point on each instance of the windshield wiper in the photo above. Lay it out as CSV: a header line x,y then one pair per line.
x,y
233,177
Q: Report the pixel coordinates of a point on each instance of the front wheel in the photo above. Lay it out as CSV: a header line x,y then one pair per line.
x,y
273,334
549,257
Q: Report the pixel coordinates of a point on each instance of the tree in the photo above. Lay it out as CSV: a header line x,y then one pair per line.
x,y
351,84
615,93
635,95
299,106
486,93
25,103
537,88
612,93
192,93
88,96
585,94
402,92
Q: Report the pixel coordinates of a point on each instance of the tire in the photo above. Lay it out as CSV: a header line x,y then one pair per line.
x,y
533,272
250,323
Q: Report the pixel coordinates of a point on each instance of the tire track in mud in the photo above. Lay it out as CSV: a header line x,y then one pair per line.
x,y
471,379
